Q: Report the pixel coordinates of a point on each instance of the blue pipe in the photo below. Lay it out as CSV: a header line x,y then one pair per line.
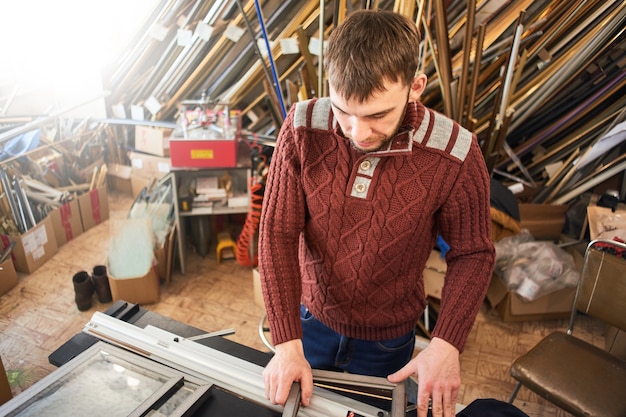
x,y
279,93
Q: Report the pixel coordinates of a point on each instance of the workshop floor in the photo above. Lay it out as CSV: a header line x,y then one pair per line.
x,y
39,314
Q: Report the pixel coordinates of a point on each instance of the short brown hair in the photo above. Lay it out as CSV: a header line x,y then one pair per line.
x,y
369,48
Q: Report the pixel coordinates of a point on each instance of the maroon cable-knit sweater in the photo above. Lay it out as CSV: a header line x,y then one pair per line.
x,y
348,233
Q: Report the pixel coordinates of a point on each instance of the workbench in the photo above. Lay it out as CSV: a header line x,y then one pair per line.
x,y
217,397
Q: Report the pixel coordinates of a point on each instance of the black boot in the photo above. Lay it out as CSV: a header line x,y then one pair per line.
x,y
101,282
83,288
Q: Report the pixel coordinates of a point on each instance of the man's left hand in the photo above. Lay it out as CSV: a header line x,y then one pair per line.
x,y
438,373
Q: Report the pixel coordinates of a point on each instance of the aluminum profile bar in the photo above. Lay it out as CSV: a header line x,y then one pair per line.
x,y
23,199
592,41
219,368
131,63
292,406
8,192
600,178
303,41
612,86
167,54
467,43
266,71
270,57
475,73
222,78
190,57
556,27
320,58
443,54
398,402
510,70
21,207
305,18
418,19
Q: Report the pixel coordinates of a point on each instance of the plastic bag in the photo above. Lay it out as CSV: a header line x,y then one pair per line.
x,y
532,268
605,223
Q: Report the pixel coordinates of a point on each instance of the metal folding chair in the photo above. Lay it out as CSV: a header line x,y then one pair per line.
x,y
577,376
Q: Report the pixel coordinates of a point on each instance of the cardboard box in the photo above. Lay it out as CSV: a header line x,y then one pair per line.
x,y
119,177
144,289
148,166
434,274
94,207
544,221
33,248
185,153
5,388
511,307
152,140
8,277
66,222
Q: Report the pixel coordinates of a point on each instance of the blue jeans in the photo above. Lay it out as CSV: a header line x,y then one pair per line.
x,y
328,350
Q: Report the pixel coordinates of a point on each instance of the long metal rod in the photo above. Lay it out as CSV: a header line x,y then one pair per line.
x,y
268,76
443,53
8,192
320,58
467,46
166,71
587,133
592,41
397,390
23,198
306,16
556,27
194,58
21,207
475,73
591,183
510,69
270,57
611,87
549,190
222,78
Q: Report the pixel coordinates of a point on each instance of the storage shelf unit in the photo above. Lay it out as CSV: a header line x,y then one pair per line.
x,y
240,177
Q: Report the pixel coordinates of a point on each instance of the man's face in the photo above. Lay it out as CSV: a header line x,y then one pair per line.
x,y
371,124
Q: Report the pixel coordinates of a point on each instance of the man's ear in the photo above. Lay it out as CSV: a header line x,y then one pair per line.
x,y
417,87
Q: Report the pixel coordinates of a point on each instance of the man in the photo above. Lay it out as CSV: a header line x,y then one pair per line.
x,y
359,186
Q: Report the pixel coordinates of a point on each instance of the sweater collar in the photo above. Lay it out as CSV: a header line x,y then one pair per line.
x,y
403,139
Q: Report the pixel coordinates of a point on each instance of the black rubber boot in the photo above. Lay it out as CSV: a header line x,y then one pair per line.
x,y
101,282
83,289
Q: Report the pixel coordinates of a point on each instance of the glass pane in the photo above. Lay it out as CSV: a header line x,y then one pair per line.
x,y
104,385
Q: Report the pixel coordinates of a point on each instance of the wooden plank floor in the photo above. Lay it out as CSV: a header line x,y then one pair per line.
x,y
39,314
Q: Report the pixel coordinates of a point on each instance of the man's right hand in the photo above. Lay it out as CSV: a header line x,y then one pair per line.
x,y
288,365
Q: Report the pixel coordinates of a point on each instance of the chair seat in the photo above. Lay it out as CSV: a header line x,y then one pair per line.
x,y
589,381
